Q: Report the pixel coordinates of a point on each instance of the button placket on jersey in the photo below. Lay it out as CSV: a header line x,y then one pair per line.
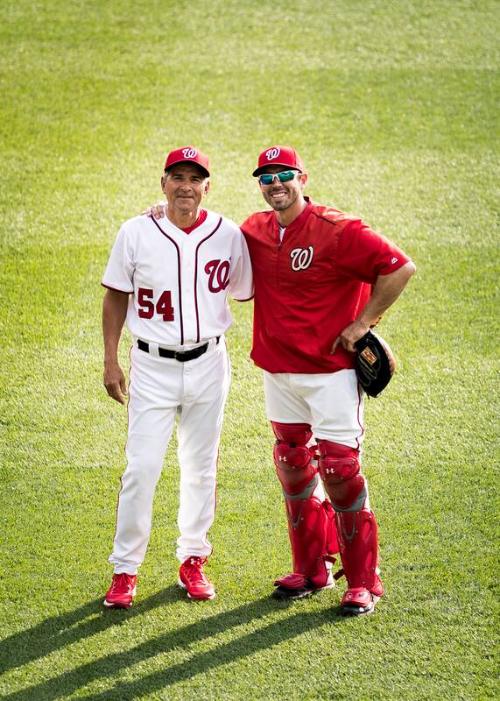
x,y
278,250
189,289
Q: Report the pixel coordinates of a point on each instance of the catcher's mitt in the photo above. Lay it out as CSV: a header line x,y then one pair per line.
x,y
375,363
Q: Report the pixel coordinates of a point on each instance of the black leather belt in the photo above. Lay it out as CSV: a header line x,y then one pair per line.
x,y
181,356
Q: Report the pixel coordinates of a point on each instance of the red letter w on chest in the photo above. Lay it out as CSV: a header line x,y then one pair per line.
x,y
218,275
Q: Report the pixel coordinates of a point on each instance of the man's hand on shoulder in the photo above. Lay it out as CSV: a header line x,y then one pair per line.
x,y
157,211
114,381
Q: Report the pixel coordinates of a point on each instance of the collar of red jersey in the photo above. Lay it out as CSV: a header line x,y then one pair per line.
x,y
299,220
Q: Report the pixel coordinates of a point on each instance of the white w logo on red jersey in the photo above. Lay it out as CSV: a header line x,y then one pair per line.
x,y
218,275
301,258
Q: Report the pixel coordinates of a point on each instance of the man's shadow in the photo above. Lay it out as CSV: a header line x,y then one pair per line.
x,y
60,631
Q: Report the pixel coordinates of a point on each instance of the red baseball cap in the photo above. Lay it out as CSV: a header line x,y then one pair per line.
x,y
187,154
278,156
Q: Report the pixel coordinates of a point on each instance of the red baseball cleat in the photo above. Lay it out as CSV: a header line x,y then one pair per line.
x,y
122,591
193,579
298,586
358,601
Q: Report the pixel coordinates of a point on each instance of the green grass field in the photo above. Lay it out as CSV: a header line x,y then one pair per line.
x,y
393,106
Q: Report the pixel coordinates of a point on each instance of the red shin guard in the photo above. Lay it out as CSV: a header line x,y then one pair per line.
x,y
356,525
311,523
313,538
358,538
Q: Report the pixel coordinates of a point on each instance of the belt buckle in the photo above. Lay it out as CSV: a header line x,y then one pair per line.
x,y
178,356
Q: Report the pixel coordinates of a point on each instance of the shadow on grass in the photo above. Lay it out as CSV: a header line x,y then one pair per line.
x,y
111,665
59,631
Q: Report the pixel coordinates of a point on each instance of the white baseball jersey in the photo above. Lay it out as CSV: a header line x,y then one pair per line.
x,y
179,281
178,284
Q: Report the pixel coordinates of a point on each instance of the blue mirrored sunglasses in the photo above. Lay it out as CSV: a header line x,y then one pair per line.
x,y
282,177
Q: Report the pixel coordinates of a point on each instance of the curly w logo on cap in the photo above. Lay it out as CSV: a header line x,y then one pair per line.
x,y
281,156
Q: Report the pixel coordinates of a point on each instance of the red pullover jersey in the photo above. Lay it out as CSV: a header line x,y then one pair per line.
x,y
312,285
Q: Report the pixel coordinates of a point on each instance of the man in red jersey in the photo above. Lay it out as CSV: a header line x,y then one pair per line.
x,y
322,279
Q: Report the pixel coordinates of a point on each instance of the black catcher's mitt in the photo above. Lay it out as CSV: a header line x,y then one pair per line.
x,y
375,363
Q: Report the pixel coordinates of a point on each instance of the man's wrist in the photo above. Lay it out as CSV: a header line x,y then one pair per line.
x,y
369,320
364,322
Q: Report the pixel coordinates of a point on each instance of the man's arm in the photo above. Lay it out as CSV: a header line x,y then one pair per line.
x,y
114,312
385,292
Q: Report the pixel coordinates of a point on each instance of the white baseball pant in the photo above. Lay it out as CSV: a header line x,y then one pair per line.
x,y
331,403
160,389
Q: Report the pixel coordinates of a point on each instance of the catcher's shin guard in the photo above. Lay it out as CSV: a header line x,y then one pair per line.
x,y
356,525
358,538
311,522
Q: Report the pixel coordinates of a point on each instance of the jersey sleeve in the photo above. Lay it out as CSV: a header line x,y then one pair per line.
x,y
119,271
241,280
364,254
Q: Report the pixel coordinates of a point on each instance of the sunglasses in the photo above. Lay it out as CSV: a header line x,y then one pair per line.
x,y
283,177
